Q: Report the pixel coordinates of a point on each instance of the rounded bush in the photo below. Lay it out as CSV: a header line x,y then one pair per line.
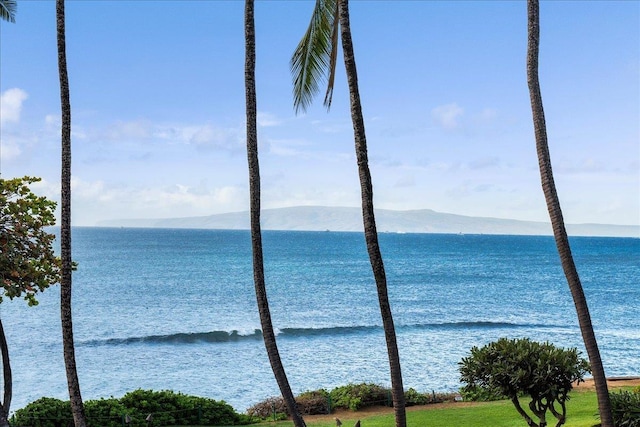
x,y
45,412
625,407
356,396
314,402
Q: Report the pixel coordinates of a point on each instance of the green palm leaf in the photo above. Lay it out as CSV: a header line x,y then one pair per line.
x,y
8,10
312,59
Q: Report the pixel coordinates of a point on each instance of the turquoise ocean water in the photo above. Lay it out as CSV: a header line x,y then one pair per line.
x,y
175,309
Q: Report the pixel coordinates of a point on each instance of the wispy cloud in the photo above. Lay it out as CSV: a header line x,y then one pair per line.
x,y
328,126
98,200
486,116
447,115
484,163
268,120
588,165
11,105
287,147
202,136
9,150
405,181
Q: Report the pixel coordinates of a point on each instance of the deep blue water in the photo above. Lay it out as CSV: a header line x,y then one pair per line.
x,y
175,309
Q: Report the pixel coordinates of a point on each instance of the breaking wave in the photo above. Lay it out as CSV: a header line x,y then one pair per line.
x,y
215,337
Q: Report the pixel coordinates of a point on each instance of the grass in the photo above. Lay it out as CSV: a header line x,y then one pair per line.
x,y
581,412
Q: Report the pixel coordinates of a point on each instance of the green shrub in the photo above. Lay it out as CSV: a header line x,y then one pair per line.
x,y
166,408
210,412
626,408
160,404
314,402
474,393
104,412
413,397
269,409
356,396
49,411
309,403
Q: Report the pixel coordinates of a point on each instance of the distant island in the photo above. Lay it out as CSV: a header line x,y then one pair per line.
x,y
322,218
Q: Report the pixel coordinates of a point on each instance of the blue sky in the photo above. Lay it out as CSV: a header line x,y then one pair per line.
x,y
157,93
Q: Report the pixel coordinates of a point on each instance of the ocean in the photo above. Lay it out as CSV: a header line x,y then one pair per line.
x,y
174,309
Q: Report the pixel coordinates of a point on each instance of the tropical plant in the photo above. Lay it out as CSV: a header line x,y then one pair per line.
x,y
8,10
165,407
314,59
28,264
268,333
75,396
556,217
626,408
516,367
358,396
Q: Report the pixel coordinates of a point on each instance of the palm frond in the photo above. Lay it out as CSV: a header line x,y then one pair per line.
x,y
311,60
334,57
8,10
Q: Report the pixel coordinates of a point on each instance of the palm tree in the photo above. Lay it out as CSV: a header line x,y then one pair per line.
x,y
256,233
7,379
7,13
8,10
65,227
316,56
557,221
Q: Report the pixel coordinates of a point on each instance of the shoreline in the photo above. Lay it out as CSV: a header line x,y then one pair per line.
x,y
612,382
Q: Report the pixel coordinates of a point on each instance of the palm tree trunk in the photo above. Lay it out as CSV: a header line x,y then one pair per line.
x,y
6,375
368,217
557,221
65,227
256,233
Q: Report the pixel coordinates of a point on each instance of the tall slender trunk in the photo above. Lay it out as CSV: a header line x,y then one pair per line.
x,y
6,375
256,233
557,221
65,227
368,217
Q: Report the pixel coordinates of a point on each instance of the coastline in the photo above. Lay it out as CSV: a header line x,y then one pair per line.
x,y
612,382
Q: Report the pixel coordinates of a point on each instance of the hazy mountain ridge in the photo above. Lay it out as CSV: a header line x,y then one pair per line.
x,y
321,218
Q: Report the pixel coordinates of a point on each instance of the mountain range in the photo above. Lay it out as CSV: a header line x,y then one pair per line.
x,y
323,218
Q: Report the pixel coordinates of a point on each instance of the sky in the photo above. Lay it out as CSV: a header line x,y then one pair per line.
x,y
158,108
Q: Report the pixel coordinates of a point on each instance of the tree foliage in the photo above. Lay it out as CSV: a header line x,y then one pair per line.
x,y
315,56
521,367
8,10
28,264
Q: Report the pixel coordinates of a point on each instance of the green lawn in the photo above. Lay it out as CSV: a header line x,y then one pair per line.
x,y
581,410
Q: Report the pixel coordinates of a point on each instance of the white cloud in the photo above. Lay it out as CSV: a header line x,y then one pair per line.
x,y
52,121
135,129
200,135
447,115
94,201
211,136
588,165
9,150
287,147
11,105
268,120
328,126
